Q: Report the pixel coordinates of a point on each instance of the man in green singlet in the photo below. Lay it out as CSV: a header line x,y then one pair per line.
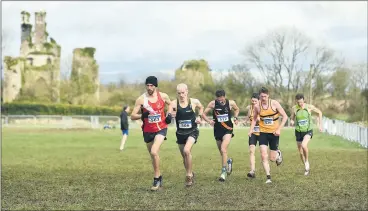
x,y
303,127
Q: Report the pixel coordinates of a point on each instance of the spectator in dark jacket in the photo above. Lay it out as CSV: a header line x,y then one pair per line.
x,y
124,125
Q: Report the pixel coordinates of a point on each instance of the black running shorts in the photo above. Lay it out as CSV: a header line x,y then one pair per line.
x,y
300,135
269,139
219,133
149,137
182,138
253,139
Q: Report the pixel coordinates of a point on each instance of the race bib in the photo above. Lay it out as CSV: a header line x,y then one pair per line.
x,y
268,121
185,124
256,129
154,118
223,118
303,122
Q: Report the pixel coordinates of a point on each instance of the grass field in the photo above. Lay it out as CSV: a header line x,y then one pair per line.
x,y
83,169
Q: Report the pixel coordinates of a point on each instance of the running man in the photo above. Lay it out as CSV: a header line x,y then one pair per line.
x,y
269,112
124,126
222,127
254,137
302,113
152,105
183,110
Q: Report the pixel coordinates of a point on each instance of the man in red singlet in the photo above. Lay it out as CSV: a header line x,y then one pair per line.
x,y
152,105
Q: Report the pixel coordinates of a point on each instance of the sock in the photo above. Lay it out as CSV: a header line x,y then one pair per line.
x,y
306,165
268,176
224,169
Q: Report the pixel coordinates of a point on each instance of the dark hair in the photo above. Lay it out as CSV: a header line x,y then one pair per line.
x,y
255,95
299,97
220,93
263,90
125,107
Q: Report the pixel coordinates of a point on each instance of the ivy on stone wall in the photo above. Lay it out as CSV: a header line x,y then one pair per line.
x,y
10,62
48,46
25,13
52,41
90,52
58,49
42,53
45,67
29,39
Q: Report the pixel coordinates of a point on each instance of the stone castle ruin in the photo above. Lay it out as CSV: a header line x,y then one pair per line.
x,y
84,76
35,73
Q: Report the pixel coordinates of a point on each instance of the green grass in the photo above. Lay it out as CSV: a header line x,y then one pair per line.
x,y
83,169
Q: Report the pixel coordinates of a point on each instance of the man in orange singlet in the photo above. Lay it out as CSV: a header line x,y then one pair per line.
x,y
269,112
254,138
152,105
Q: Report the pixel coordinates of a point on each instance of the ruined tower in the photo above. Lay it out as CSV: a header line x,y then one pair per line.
x,y
25,26
85,77
26,34
35,73
40,34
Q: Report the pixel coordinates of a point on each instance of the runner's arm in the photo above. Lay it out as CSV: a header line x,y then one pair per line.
x,y
248,115
166,98
200,107
235,108
137,106
255,117
319,112
283,114
209,107
172,107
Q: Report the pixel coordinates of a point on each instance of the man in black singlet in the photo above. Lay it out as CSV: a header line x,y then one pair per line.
x,y
222,127
183,109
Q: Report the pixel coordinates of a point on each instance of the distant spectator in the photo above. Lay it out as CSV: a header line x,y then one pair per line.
x,y
124,126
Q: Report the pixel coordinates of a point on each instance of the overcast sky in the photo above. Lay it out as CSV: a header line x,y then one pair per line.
x,y
156,37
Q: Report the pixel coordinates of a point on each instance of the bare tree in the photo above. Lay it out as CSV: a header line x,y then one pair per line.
x,y
284,55
279,56
241,74
299,45
324,60
359,76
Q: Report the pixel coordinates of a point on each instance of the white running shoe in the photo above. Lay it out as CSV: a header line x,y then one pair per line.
x,y
279,158
223,176
306,168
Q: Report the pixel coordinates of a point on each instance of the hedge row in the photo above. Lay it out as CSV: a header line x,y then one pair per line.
x,y
56,109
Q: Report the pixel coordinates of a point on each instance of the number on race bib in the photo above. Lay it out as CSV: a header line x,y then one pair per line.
x,y
268,121
256,129
303,122
154,118
185,124
223,118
